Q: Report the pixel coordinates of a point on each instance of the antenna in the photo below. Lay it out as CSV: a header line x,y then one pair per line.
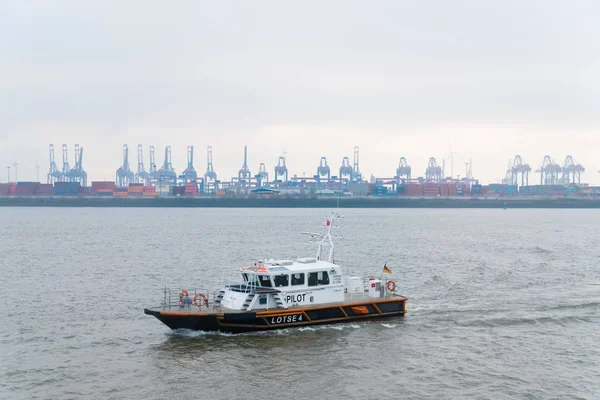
x,y
326,239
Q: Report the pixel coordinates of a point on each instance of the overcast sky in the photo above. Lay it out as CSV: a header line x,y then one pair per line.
x,y
485,79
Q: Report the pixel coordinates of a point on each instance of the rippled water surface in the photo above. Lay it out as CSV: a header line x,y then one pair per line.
x,y
502,304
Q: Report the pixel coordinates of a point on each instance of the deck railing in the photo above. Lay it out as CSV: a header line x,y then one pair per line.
x,y
173,297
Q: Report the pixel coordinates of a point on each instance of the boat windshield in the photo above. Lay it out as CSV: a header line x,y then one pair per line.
x,y
257,280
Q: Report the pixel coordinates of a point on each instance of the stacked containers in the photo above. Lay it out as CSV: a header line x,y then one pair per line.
x,y
163,189
571,190
452,191
178,190
103,188
45,189
135,189
379,191
431,189
476,190
191,189
150,191
511,190
26,188
414,189
557,190
466,191
12,188
66,188
444,189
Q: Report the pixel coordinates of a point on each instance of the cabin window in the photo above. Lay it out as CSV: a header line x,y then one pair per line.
x,y
265,280
318,278
281,280
245,276
262,300
297,279
252,280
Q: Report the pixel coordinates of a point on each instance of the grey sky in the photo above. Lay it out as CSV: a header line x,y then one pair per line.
x,y
397,78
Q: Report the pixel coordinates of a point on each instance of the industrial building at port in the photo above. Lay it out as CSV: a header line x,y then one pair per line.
x,y
163,181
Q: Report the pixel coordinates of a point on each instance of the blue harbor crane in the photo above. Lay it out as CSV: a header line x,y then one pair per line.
x,y
210,176
54,174
433,173
346,169
77,174
141,175
166,173
323,169
403,170
519,169
124,175
281,170
152,172
189,174
64,174
550,172
263,176
571,171
244,172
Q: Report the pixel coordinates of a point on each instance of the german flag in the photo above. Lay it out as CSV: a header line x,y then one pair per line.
x,y
386,270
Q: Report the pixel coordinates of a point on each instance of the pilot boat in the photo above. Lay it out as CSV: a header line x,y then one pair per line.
x,y
275,294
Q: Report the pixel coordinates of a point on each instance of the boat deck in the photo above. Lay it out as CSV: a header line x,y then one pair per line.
x,y
349,299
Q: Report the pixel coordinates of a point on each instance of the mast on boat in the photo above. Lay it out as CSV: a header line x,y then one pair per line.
x,y
327,239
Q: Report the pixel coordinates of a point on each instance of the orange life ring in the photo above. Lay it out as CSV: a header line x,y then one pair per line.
x,y
391,285
203,302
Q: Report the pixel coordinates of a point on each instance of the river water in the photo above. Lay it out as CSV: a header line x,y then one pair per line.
x,y
503,304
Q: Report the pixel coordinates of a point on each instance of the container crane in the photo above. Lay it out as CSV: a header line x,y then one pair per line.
x,y
403,170
64,174
281,170
549,172
210,176
346,171
124,175
433,173
152,172
77,174
141,175
166,173
571,171
519,168
323,169
244,172
189,174
54,174
263,176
